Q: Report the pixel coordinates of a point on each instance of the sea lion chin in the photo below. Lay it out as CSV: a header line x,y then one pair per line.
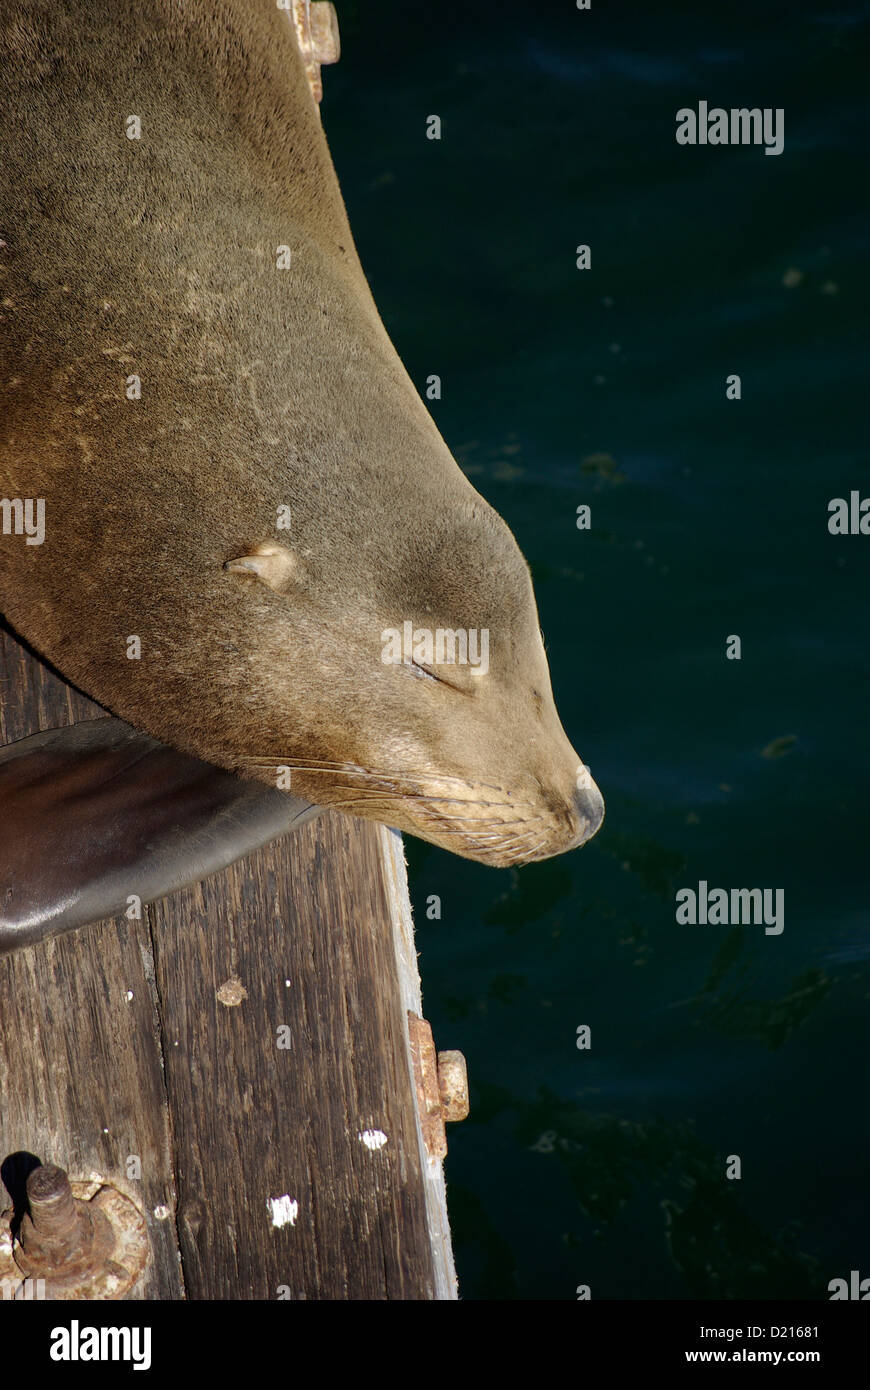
x,y
245,498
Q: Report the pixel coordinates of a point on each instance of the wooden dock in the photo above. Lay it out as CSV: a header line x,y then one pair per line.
x,y
237,1062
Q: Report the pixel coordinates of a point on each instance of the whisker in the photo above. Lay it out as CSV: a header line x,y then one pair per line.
x,y
352,770
512,842
349,805
374,793
407,795
410,795
528,853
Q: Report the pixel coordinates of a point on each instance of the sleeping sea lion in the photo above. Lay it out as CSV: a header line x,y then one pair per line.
x,y
225,513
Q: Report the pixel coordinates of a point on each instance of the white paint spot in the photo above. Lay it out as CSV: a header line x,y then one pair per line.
x,y
129,995
374,1138
161,1213
284,1211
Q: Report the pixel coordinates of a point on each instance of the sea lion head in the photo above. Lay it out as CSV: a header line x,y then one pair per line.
x,y
414,688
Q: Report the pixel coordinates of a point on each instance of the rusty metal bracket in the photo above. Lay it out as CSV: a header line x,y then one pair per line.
x,y
77,1240
316,25
442,1086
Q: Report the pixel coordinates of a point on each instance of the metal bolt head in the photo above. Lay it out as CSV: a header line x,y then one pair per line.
x,y
453,1085
78,1240
325,42
316,25
51,1202
58,1231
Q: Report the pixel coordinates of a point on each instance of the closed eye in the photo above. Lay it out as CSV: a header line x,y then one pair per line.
x,y
421,672
425,673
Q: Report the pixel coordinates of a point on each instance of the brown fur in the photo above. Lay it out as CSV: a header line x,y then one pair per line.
x,y
260,388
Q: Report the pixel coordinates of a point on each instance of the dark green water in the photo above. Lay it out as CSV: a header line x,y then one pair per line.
x,y
709,517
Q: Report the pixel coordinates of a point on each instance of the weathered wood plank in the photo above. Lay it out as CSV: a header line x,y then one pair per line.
x,y
80,1056
254,1122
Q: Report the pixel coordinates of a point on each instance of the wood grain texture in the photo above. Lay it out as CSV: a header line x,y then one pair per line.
x,y
189,1075
254,1122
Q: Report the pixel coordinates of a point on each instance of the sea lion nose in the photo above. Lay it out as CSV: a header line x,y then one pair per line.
x,y
588,808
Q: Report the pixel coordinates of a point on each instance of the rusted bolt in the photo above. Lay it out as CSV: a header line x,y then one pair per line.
x,y
58,1231
442,1086
316,25
325,42
77,1240
453,1086
52,1204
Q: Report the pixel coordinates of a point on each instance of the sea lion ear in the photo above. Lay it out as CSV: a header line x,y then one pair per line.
x,y
272,564
99,820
